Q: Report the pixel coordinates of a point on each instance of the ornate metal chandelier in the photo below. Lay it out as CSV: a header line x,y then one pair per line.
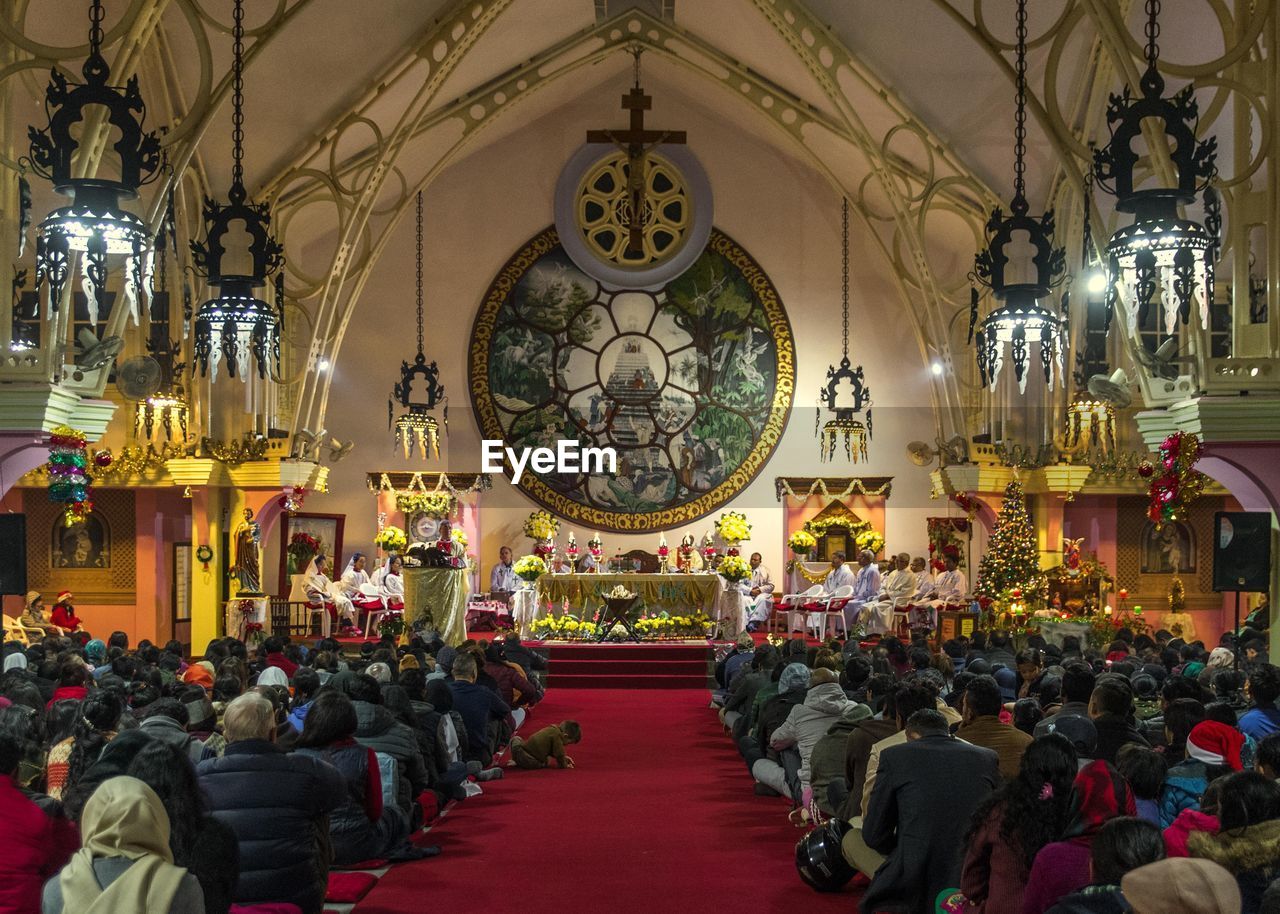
x,y
848,403
93,224
236,323
418,426
165,412
1161,254
1019,319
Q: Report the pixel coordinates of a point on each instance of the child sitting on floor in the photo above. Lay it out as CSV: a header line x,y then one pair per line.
x,y
538,750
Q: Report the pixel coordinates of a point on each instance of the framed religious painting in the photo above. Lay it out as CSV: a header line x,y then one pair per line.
x,y
303,537
689,384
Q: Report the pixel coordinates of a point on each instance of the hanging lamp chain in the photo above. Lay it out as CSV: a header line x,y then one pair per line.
x,y
844,277
1152,33
95,28
1020,116
237,97
419,277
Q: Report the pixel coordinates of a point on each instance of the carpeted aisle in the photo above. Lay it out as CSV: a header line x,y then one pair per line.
x,y
658,816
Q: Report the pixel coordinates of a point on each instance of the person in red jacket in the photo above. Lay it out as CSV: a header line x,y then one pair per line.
x,y
64,614
33,845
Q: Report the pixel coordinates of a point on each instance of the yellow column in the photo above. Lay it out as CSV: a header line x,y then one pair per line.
x,y
207,588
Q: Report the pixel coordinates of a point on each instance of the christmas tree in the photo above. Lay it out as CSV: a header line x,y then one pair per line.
x,y
1012,559
1177,596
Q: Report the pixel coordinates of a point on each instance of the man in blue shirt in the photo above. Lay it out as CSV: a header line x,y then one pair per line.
x,y
1263,688
478,706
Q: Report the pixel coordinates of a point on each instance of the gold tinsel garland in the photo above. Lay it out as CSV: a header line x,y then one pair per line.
x,y
810,576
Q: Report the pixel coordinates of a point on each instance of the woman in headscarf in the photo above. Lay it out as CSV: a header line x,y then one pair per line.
x,y
125,865
33,615
390,583
1098,795
321,591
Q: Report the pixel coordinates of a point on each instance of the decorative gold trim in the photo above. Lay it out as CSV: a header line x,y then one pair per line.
x,y
783,393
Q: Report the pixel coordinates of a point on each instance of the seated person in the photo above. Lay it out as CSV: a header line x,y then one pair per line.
x,y
543,746
390,583
839,576
758,590
64,614
503,581
355,584
951,587
33,615
323,592
478,706
896,588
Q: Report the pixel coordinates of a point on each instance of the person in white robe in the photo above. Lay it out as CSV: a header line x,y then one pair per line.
x,y
503,580
866,587
390,583
321,591
758,590
355,581
895,590
951,587
921,614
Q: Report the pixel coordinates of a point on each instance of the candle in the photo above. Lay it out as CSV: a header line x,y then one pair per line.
x,y
1108,611
1122,594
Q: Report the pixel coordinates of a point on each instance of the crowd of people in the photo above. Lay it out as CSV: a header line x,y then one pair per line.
x,y
133,778
1044,779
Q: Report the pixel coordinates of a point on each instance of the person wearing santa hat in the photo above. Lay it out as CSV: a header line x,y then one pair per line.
x,y
1213,749
64,614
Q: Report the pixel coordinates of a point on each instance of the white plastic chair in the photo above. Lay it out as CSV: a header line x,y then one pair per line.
x,y
821,616
792,600
298,594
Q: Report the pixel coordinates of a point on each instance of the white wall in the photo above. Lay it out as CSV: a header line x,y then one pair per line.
x,y
784,213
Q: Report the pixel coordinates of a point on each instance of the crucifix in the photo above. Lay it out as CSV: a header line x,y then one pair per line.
x,y
636,141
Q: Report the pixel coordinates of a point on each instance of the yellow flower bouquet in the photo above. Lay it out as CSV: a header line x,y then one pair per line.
x,y
870,540
734,568
540,525
733,527
529,568
391,539
802,542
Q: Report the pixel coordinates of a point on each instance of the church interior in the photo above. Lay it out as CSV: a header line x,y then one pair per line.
x,y
645,334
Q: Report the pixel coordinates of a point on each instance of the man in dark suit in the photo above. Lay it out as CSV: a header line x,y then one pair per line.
x,y
925,793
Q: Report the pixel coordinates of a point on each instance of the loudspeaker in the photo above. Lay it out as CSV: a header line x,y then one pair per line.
x,y
1242,551
13,553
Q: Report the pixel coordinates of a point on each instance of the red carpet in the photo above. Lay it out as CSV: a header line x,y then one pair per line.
x,y
630,666
659,816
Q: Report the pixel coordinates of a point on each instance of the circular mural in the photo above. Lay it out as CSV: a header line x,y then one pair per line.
x,y
689,384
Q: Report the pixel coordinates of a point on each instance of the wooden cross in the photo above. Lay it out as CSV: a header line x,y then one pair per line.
x,y
636,141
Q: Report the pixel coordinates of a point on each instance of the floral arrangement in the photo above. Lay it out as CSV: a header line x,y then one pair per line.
x,y
1089,567
253,632
734,568
802,542
437,505
565,627
819,525
663,626
733,527
1180,484
869,540
620,592
392,625
540,525
663,550
389,539
459,538
302,547
529,567
69,474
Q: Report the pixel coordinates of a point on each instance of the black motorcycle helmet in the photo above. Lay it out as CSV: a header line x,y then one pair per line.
x,y
819,859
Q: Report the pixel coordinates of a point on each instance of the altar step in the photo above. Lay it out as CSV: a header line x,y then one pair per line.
x,y
629,666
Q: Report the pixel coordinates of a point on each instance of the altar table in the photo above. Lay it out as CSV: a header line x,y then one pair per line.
x,y
441,595
658,592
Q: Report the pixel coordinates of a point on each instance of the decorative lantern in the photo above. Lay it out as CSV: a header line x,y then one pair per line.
x,y
1091,424
418,426
1161,256
236,324
845,393
93,224
1019,320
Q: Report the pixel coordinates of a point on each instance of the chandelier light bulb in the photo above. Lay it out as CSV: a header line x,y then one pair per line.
x,y
1097,282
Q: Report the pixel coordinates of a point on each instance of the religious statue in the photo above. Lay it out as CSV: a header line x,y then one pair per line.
x,y
247,538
